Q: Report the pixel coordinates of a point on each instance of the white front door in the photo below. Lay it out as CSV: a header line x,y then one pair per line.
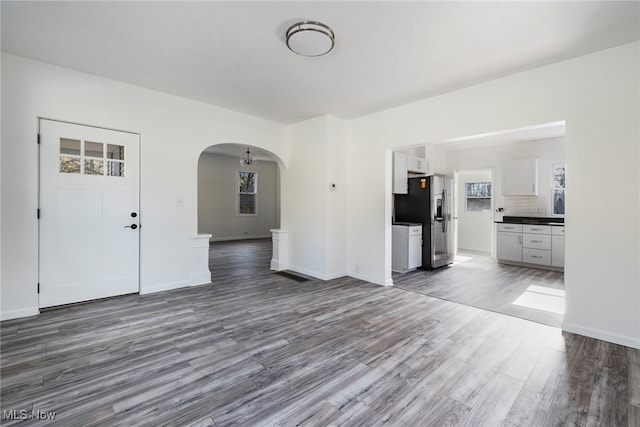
x,y
89,213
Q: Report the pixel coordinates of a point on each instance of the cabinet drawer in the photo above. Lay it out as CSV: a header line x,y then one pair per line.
x,y
536,241
536,229
557,231
512,228
415,230
536,256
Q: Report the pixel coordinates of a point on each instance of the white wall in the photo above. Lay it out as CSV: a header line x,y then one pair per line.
x,y
174,131
317,226
598,96
217,199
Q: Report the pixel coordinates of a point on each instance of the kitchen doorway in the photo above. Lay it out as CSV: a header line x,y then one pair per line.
x,y
474,211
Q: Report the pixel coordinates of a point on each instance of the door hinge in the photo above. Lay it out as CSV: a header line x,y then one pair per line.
x,y
38,214
38,139
38,287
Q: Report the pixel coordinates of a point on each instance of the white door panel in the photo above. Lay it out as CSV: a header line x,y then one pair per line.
x,y
89,188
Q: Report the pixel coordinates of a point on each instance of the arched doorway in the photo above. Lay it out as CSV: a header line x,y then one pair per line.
x,y
238,205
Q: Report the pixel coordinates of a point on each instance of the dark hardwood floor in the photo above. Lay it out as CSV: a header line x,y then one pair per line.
x,y
479,281
257,348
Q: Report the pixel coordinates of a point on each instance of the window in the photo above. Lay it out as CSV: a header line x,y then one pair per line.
x,y
247,193
90,158
477,196
557,192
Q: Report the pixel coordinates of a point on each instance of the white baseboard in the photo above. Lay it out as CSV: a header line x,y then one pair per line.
x,y
306,272
601,335
372,280
200,278
316,274
17,314
164,287
228,239
275,265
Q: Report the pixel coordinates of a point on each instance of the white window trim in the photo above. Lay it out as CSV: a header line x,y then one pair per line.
x,y
237,206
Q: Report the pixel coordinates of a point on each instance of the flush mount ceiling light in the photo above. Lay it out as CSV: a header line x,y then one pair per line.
x,y
249,159
310,38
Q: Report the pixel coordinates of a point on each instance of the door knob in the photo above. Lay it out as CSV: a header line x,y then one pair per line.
x,y
132,226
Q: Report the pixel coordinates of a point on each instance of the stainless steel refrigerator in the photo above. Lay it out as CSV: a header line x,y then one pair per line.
x,y
429,201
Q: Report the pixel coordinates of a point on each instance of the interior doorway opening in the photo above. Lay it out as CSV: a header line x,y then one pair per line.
x,y
473,207
239,204
476,278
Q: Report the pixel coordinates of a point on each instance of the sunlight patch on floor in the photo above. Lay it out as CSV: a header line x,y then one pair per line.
x,y
542,298
460,258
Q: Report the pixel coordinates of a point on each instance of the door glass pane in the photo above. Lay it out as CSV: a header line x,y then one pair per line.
x,y
69,164
93,149
93,167
478,204
115,152
115,168
69,146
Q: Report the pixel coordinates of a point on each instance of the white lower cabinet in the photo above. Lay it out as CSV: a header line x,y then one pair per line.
x,y
509,242
536,247
406,250
509,246
557,251
541,245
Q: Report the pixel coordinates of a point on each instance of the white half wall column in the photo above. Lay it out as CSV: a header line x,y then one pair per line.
x,y
279,257
200,273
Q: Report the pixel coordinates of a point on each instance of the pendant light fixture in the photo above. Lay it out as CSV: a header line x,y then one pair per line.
x,y
310,38
249,159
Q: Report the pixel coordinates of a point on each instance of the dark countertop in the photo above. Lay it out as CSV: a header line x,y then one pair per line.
x,y
408,224
535,220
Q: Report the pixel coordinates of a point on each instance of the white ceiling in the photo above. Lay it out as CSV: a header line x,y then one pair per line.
x,y
233,54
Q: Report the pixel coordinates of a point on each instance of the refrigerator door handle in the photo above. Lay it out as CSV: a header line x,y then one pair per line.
x,y
444,211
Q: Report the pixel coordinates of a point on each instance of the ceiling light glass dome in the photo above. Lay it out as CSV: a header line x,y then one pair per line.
x,y
310,38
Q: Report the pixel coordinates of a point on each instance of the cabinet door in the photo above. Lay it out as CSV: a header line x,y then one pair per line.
x,y
557,251
520,177
417,165
400,184
415,251
509,246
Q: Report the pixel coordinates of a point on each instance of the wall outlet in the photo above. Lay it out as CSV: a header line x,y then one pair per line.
x,y
180,201
357,269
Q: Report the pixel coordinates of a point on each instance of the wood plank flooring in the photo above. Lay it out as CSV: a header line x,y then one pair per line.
x,y
258,349
479,281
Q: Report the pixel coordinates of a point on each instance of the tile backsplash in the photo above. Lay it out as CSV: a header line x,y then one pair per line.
x,y
525,206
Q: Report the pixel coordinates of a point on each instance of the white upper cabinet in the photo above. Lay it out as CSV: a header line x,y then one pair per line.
x,y
520,177
417,165
402,165
400,184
